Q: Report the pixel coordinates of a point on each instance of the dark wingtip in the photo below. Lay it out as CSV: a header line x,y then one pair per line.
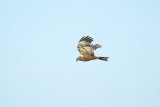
x,y
86,38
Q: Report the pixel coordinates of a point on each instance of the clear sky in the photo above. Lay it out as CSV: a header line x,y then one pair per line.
x,y
38,51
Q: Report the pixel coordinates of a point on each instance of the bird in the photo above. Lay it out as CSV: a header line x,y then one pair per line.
x,y
86,49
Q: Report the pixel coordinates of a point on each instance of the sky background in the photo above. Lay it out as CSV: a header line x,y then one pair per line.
x,y
38,51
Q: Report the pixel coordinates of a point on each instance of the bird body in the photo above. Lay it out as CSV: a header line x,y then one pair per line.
x,y
88,58
87,50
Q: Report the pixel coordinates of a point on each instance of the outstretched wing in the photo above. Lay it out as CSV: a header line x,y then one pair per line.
x,y
84,46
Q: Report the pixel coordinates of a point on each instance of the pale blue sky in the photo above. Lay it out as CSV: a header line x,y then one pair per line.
x,y
38,53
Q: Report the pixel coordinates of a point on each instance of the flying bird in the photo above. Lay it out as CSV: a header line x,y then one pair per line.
x,y
86,49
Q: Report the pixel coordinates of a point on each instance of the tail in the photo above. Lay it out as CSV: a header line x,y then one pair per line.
x,y
103,58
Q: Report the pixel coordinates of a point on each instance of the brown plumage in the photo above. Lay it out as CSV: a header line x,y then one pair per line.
x,y
87,50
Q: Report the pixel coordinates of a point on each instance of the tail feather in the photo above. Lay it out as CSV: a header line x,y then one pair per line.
x,y
103,58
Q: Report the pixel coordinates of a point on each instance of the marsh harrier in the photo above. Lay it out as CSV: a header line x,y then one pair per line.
x,y
86,49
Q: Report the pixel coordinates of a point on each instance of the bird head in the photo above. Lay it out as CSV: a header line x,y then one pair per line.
x,y
78,58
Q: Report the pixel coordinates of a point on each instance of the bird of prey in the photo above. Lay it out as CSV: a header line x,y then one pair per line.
x,y
86,49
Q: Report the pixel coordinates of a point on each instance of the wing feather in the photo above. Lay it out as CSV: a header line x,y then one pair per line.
x,y
85,41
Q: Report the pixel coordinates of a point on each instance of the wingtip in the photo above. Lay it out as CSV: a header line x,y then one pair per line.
x,y
86,38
